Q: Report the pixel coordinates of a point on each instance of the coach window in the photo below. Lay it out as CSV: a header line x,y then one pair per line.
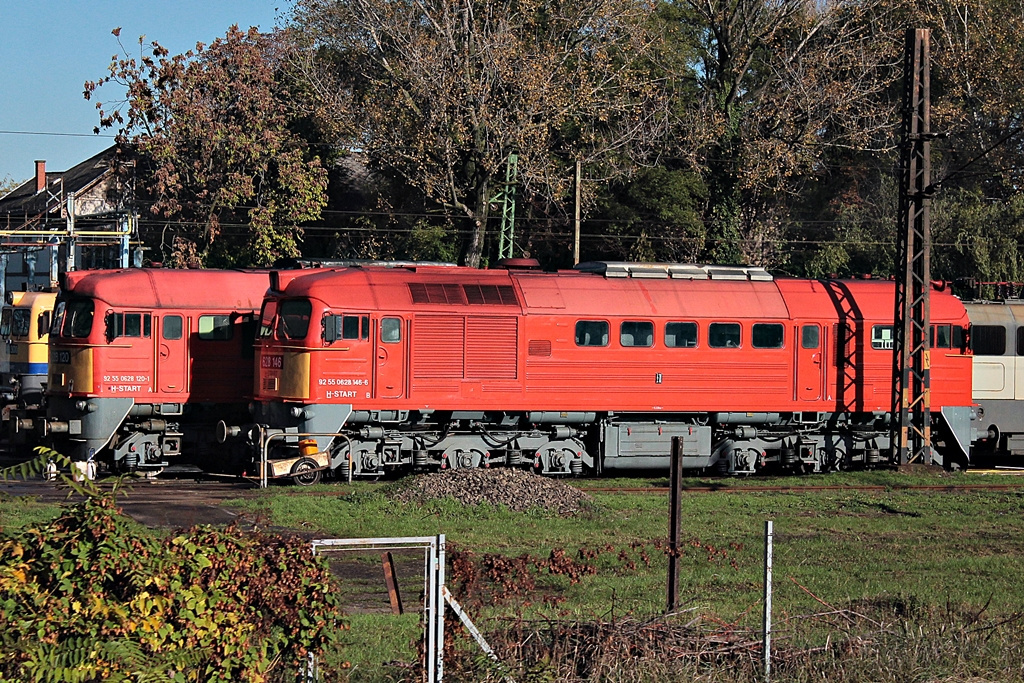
x,y
881,337
172,327
215,327
1020,341
724,335
591,333
681,335
293,318
636,333
766,336
77,318
391,330
988,340
810,337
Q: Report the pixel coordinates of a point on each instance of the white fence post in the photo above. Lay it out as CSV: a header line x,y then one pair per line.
x,y
768,540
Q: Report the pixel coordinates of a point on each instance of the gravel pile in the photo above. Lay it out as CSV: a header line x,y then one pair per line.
x,y
516,489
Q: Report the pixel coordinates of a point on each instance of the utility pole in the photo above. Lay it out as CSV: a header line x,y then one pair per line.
x,y
911,404
576,222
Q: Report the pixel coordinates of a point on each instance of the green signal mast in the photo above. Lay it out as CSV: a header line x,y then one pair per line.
x,y
507,197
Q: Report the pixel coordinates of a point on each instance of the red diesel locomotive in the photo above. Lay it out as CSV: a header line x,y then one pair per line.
x,y
144,362
590,370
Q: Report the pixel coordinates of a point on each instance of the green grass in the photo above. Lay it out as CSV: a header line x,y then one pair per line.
x,y
882,550
917,565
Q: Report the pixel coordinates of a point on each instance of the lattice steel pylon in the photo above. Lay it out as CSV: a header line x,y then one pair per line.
x,y
911,405
507,196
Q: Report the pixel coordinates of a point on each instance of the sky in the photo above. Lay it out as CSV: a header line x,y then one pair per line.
x,y
50,48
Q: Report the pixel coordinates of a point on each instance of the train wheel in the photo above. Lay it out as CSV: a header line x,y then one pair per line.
x,y
306,472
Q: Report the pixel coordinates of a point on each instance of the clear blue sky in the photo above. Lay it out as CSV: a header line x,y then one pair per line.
x,y
50,48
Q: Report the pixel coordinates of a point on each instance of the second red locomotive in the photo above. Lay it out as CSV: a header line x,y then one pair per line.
x,y
592,370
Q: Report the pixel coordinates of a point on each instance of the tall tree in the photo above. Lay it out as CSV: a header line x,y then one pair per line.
x,y
442,93
211,131
777,85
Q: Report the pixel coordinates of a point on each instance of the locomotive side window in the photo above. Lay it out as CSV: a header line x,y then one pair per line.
x,y
5,324
391,330
215,327
173,328
346,327
636,333
42,324
881,337
724,335
810,337
128,325
293,318
988,340
941,337
591,333
77,319
681,335
959,338
766,336
1020,341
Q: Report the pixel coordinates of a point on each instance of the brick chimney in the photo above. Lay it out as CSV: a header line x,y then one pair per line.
x,y
40,175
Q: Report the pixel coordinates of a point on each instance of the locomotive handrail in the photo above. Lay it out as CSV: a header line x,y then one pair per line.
x,y
265,440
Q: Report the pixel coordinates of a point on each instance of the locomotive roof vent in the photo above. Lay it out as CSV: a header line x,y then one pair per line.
x,y
675,271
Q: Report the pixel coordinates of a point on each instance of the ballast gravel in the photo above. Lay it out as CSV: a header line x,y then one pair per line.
x,y
516,489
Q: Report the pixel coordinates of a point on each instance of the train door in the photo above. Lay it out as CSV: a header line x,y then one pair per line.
x,y
810,365
172,356
389,380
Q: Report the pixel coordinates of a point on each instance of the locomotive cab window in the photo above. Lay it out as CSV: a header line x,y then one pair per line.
x,y
293,318
636,333
988,340
1020,341
42,324
881,337
346,327
766,336
724,335
128,325
591,333
681,335
391,330
267,318
21,322
215,327
76,320
5,323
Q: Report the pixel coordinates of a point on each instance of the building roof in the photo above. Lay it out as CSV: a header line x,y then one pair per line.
x,y
24,200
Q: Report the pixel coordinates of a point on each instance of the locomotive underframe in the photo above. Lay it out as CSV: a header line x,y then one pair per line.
x,y
127,436
377,443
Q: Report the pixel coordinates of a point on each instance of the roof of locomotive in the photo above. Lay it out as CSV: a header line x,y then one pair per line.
x,y
614,289
170,288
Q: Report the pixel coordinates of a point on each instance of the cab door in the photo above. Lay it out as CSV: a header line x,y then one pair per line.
x,y
810,365
172,354
391,341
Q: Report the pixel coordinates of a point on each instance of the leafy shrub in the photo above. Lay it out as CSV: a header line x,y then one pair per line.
x,y
89,597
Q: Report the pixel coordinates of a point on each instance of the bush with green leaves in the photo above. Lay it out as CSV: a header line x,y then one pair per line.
x,y
89,596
